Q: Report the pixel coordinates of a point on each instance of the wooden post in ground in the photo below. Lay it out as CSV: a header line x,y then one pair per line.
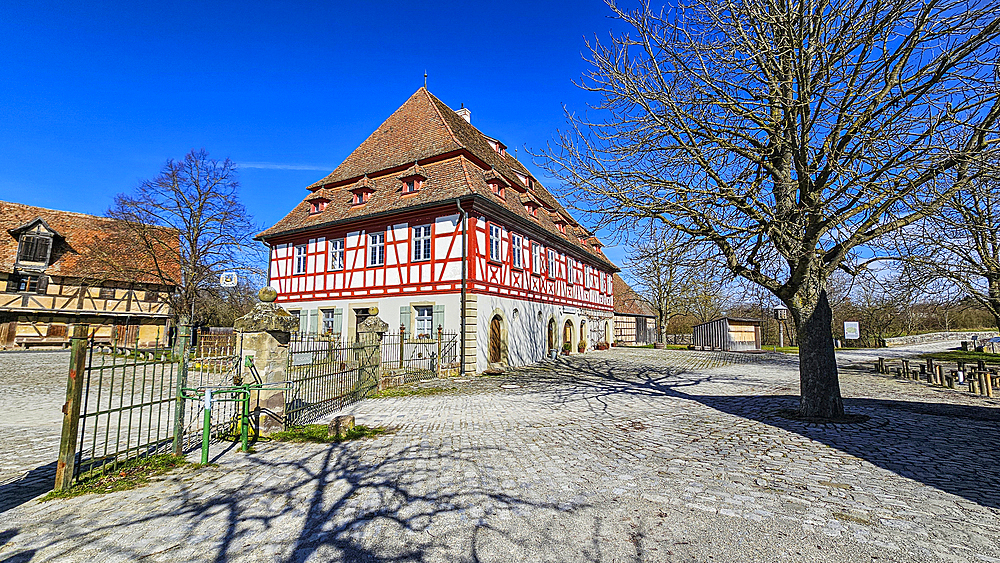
x,y
181,350
66,464
906,369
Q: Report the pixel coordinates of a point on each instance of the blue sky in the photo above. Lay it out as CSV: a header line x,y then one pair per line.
x,y
96,96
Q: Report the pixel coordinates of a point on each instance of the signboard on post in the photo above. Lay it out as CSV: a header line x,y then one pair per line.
x,y
851,330
228,279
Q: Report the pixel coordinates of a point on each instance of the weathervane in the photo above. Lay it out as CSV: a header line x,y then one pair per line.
x,y
425,79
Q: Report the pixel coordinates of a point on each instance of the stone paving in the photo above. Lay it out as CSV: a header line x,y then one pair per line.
x,y
620,455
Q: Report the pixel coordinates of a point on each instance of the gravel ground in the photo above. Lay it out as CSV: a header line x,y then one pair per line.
x,y
620,455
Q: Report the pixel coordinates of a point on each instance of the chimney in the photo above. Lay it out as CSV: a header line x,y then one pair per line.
x,y
465,113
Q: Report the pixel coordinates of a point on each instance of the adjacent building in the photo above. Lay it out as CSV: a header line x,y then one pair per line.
x,y
635,321
435,224
53,275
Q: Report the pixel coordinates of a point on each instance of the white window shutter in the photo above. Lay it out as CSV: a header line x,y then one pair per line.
x,y
404,317
438,318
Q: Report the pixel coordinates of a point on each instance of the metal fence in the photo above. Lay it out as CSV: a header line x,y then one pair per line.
x,y
408,358
325,376
124,402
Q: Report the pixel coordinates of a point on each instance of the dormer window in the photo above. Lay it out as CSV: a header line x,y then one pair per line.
x,y
34,245
362,190
33,248
411,186
413,179
496,182
316,206
361,195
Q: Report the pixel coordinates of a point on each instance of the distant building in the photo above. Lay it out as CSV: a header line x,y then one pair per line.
x,y
728,333
437,225
51,279
635,320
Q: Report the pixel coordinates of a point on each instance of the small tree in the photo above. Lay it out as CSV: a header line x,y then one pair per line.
x,y
198,199
960,245
787,135
660,264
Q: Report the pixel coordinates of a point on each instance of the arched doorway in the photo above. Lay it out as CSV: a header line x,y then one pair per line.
x,y
552,335
568,335
496,324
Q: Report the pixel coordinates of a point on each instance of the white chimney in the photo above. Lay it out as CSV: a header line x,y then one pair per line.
x,y
465,113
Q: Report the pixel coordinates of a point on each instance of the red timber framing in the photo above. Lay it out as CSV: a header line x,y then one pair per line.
x,y
398,273
587,285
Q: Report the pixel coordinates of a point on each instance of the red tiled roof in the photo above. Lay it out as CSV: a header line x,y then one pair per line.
x,y
74,252
627,301
454,157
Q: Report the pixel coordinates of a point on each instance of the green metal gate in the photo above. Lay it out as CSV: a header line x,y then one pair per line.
x,y
126,402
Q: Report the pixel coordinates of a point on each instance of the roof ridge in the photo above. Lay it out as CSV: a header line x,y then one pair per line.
x,y
431,98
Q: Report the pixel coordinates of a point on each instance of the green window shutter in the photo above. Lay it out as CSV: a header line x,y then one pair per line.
x,y
338,320
404,317
303,321
438,317
314,320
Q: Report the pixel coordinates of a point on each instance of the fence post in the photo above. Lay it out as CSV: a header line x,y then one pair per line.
x,y
402,339
438,365
182,348
66,464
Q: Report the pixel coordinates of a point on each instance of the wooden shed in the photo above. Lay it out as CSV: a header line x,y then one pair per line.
x,y
728,333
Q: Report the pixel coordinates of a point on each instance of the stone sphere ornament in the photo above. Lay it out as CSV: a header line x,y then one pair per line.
x,y
267,294
372,310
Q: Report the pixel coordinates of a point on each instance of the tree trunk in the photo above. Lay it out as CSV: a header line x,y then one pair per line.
x,y
818,381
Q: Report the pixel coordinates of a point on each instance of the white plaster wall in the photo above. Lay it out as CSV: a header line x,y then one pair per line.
x,y
526,332
388,308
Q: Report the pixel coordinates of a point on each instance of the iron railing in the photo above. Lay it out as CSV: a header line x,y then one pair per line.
x,y
324,376
129,403
414,358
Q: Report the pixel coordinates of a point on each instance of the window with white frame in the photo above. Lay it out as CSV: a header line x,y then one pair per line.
x,y
337,254
301,256
516,242
424,327
422,242
376,249
536,258
570,270
496,234
553,271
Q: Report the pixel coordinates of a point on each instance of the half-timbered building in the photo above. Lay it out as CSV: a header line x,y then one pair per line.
x,y
437,225
50,279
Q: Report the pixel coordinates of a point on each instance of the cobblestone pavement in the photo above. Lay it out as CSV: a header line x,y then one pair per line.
x,y
32,392
621,455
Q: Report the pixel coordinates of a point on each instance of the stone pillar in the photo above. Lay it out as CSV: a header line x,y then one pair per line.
x,y
469,331
262,336
368,348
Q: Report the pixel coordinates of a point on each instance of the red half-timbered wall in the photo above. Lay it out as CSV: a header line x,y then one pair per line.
x,y
585,286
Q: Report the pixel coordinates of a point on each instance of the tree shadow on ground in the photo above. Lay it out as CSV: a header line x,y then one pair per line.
x,y
33,483
952,447
330,502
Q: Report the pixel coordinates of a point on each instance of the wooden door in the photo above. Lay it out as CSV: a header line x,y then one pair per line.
x,y
495,339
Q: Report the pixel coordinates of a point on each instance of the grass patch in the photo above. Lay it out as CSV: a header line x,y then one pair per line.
x,y
131,474
406,391
962,356
782,349
319,434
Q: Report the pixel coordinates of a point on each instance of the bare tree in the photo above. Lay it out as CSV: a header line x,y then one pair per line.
x,y
197,198
661,265
787,135
960,245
